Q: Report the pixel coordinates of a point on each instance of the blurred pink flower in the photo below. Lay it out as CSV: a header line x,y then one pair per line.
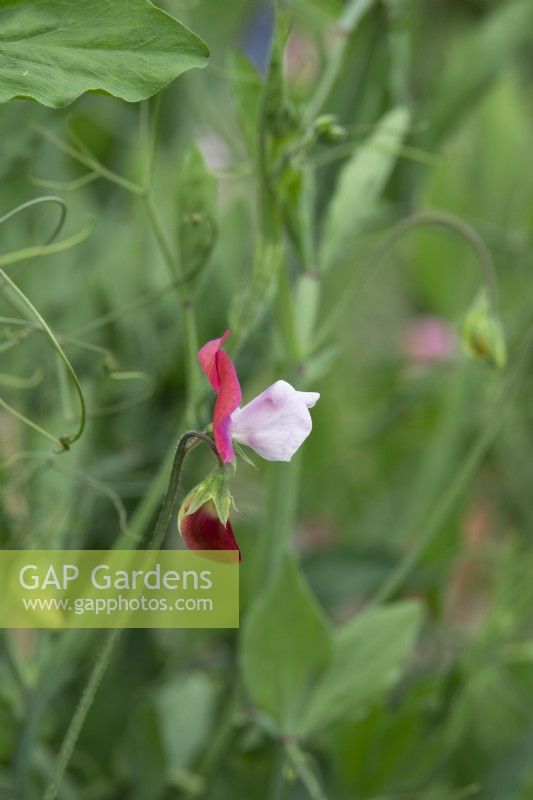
x,y
426,340
274,424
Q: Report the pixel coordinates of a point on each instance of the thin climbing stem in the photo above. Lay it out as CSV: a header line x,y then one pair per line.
x,y
376,258
460,480
187,442
144,300
45,199
86,700
148,136
90,162
31,424
65,440
13,660
456,225
159,234
351,15
190,335
148,129
39,251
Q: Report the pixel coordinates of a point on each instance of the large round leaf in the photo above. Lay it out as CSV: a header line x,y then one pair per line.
x,y
55,50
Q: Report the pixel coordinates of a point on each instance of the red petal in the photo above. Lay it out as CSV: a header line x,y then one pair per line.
x,y
204,531
207,358
228,400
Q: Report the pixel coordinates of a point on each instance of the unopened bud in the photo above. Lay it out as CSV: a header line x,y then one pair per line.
x,y
203,519
327,130
482,333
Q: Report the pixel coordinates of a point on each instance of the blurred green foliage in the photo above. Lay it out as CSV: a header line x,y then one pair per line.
x,y
415,486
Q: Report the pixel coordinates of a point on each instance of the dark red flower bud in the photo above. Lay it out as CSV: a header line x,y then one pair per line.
x,y
202,530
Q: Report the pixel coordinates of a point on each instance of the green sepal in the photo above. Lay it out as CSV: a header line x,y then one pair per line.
x,y
213,489
241,452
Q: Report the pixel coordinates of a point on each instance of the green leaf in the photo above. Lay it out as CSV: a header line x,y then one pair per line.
x,y
286,646
146,755
197,229
361,183
185,708
368,656
56,50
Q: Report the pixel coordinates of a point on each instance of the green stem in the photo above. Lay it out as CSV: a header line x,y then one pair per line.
x,y
277,785
161,239
38,201
283,479
38,251
375,260
220,739
80,714
89,161
190,334
31,424
37,703
187,442
14,662
37,700
146,510
171,261
191,363
350,18
128,308
280,517
456,225
450,497
299,761
148,135
69,439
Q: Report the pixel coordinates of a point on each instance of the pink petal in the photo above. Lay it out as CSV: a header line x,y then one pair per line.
x,y
428,339
275,423
207,358
229,397
221,373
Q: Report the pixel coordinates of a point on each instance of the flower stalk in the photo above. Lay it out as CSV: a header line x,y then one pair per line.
x,y
187,442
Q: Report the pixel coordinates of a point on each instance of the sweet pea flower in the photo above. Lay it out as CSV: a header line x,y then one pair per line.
x,y
274,424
